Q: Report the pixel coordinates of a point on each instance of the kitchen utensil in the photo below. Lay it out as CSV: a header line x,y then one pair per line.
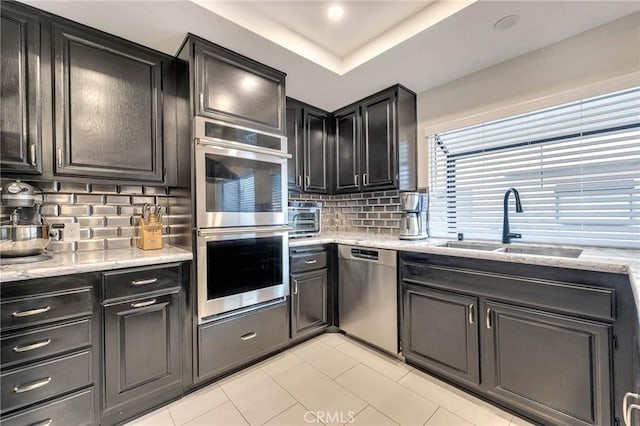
x,y
26,233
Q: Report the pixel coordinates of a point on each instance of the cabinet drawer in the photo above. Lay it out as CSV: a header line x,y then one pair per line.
x,y
132,282
308,261
234,341
44,308
31,384
44,342
76,409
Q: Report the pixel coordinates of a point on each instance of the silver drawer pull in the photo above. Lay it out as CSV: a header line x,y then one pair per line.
x,y
46,422
627,408
488,318
143,304
32,386
144,282
32,346
311,262
471,314
249,336
31,312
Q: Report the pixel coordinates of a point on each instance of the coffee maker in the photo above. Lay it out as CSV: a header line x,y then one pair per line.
x,y
415,210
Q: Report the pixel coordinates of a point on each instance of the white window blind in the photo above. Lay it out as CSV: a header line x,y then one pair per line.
x,y
576,166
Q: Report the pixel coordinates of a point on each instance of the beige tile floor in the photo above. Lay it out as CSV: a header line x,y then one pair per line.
x,y
329,380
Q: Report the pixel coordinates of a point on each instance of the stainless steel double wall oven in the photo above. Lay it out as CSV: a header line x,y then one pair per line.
x,y
241,217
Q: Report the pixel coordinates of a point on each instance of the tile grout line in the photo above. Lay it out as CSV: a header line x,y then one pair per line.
x,y
234,406
434,413
358,413
289,393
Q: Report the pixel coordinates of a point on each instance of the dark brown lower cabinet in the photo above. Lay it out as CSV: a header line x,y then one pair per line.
x,y
141,354
308,302
441,332
556,364
229,343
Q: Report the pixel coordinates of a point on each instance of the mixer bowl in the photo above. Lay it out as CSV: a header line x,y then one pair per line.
x,y
23,240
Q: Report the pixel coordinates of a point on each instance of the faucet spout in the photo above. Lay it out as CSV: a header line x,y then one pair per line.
x,y
507,235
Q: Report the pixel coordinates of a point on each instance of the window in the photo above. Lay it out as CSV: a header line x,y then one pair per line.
x,y
576,166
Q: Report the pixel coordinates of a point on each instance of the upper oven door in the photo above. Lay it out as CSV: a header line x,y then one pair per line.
x,y
239,137
239,188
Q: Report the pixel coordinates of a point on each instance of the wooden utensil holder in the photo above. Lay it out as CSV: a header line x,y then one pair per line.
x,y
150,234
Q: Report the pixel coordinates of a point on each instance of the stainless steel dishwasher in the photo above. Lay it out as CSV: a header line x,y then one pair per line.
x,y
368,295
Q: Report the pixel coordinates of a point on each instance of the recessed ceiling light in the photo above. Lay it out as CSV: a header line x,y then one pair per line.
x,y
335,12
506,22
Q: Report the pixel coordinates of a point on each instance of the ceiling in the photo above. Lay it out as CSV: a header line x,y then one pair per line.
x,y
457,36
367,29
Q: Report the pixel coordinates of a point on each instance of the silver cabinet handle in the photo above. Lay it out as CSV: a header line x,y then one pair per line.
x,y
628,414
143,304
295,286
46,422
59,157
365,179
627,408
356,179
488,319
32,386
311,262
299,180
249,336
144,282
31,312
307,181
471,313
201,98
32,154
31,346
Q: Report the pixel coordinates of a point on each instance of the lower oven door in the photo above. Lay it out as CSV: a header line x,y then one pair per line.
x,y
240,267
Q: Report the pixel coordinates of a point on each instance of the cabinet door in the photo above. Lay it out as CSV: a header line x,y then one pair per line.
x,y
440,332
141,349
108,106
379,142
346,124
556,367
316,150
234,88
308,301
295,165
20,142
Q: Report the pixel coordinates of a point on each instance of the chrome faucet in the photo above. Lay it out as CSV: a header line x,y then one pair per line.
x,y
506,234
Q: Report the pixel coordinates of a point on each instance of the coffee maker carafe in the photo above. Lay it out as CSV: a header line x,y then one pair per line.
x,y
415,209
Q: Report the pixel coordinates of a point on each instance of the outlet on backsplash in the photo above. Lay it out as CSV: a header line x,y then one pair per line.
x,y
64,232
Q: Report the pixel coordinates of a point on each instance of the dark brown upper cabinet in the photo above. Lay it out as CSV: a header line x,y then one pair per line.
x,y
347,133
376,143
316,148
20,113
230,87
308,137
294,133
108,106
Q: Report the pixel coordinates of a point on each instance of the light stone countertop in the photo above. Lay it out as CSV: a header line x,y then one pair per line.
x,y
92,261
622,261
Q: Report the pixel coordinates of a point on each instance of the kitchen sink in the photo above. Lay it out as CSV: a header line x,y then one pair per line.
x,y
472,245
542,251
499,248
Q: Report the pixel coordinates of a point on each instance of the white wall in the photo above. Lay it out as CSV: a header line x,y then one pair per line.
x,y
601,60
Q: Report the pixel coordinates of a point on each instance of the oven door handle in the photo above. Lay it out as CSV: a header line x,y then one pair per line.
x,y
221,143
247,230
